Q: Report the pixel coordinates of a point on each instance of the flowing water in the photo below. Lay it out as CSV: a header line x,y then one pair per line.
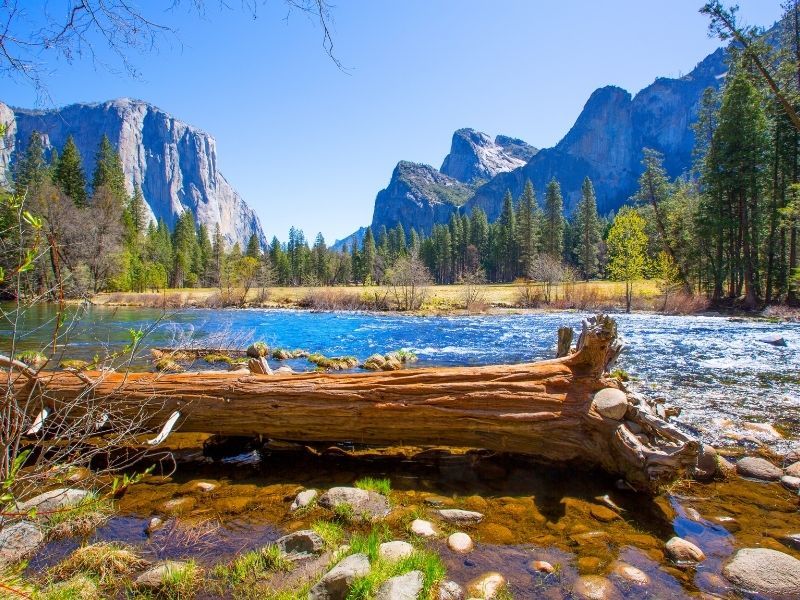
x,y
729,384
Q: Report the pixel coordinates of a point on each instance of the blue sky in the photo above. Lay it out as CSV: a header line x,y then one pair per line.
x,y
308,145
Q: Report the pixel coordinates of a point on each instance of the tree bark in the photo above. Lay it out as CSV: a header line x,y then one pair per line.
x,y
545,409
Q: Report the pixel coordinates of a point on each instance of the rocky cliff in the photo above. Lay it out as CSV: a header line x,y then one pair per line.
x,y
174,163
475,157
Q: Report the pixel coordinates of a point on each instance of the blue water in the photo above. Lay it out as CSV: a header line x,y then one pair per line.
x,y
714,368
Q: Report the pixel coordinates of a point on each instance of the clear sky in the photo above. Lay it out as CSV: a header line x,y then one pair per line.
x,y
309,145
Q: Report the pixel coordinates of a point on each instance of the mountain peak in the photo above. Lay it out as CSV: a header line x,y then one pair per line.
x,y
474,157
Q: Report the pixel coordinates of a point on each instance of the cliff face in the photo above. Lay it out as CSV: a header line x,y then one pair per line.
x,y
475,157
174,163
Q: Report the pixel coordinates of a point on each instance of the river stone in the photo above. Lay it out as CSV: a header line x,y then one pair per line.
x,y
301,542
336,583
423,528
154,524
791,483
257,350
594,587
396,550
461,517
706,466
450,590
767,572
601,513
155,577
611,403
366,504
486,586
401,587
205,487
793,470
303,499
792,456
460,542
682,551
773,339
54,500
754,467
19,541
630,574
791,540
542,566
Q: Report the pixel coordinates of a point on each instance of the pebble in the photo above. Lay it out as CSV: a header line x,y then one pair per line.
x,y
791,483
461,517
423,528
758,468
593,587
205,486
542,566
683,551
450,590
630,574
460,542
486,586
396,550
303,499
154,524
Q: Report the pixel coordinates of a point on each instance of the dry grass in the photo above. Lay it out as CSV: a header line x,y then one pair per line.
x,y
106,561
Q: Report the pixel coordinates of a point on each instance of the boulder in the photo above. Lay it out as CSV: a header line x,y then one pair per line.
x,y
156,576
402,587
303,499
706,466
366,505
594,587
791,483
460,542
336,583
461,517
754,467
450,590
792,456
301,542
396,550
683,551
611,403
257,350
630,574
793,470
770,573
58,499
19,541
423,528
374,363
486,586
773,339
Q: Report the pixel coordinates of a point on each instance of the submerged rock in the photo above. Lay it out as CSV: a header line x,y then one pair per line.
x,y
19,541
683,551
395,550
366,505
601,513
594,587
301,542
402,587
758,468
486,586
461,517
542,566
791,540
336,583
630,574
58,499
773,339
791,483
460,542
611,403
450,590
770,573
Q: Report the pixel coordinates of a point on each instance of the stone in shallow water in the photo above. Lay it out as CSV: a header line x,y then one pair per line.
x,y
758,468
301,542
303,499
706,466
542,566
19,541
791,540
396,550
768,572
366,505
450,590
423,528
683,551
594,587
54,500
601,513
336,583
793,470
486,586
156,576
791,483
461,517
460,542
401,587
630,574
611,403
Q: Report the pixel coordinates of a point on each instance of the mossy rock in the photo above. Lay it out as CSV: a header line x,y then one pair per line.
x,y
73,363
374,363
167,365
257,350
338,363
218,358
32,358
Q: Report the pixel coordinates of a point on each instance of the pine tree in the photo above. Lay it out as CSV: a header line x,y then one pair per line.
x,y
253,247
32,169
553,223
108,170
587,231
319,260
527,229
507,239
69,174
367,259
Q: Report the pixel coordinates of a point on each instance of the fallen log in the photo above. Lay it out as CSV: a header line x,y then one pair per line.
x,y
550,409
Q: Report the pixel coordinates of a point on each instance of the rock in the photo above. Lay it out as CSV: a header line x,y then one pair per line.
x,y
366,505
589,564
791,540
257,350
53,500
791,483
396,550
792,456
179,506
284,369
154,524
611,403
541,566
630,574
706,466
450,590
758,468
374,363
301,542
497,534
460,542
683,551
593,587
437,501
423,528
19,541
461,517
156,576
486,586
336,583
706,580
725,467
474,156
793,470
601,513
205,487
303,499
773,574
402,587
773,339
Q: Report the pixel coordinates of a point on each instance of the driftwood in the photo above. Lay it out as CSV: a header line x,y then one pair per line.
x,y
545,409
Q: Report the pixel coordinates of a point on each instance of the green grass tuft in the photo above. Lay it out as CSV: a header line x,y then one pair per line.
x,y
344,512
331,532
371,484
218,358
426,561
252,565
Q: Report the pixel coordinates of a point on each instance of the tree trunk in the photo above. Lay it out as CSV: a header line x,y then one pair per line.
x,y
545,409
